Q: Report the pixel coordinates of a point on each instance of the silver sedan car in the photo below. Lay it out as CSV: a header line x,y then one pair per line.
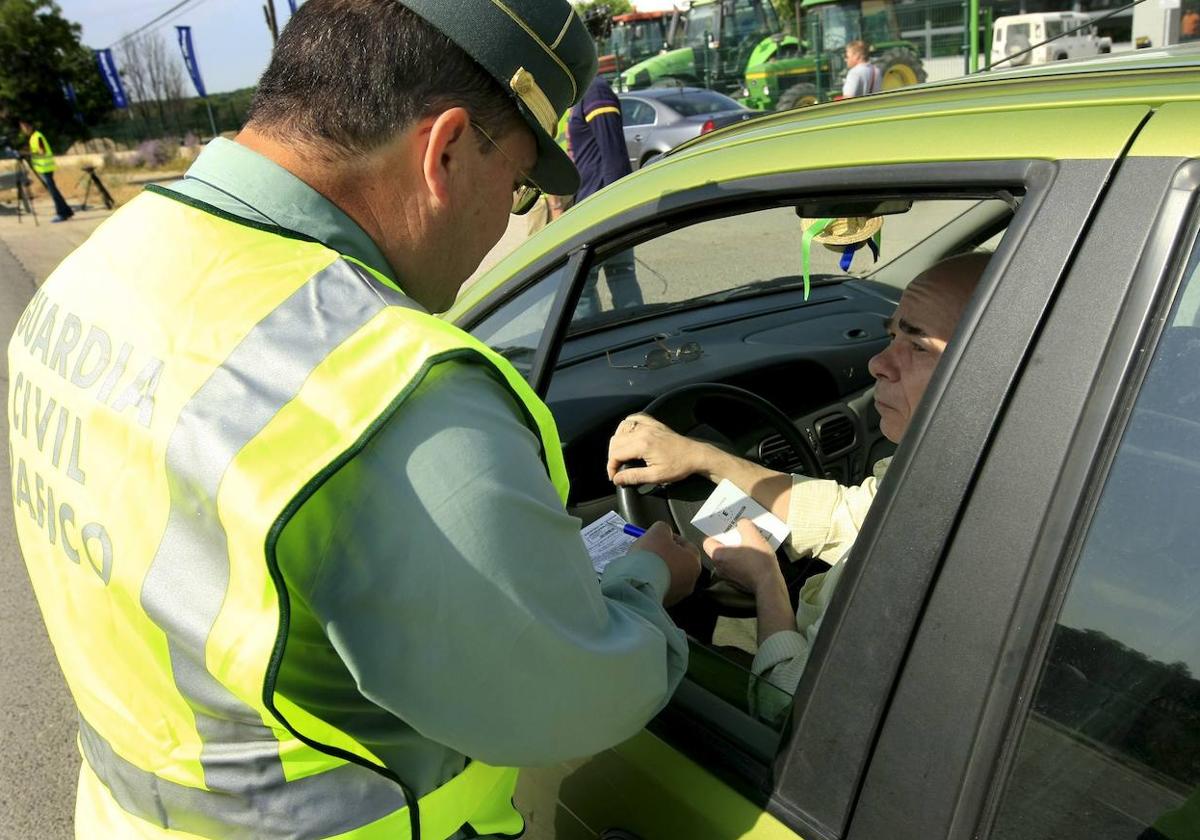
x,y
659,119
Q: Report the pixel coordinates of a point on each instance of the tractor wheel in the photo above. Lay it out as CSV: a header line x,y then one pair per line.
x,y
900,67
797,96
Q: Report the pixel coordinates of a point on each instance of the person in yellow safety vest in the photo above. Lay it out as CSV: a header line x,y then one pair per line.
x,y
300,546
41,158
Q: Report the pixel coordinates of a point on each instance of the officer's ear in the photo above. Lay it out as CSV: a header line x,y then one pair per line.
x,y
449,143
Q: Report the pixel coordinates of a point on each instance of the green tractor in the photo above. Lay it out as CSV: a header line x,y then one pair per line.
x,y
634,37
816,73
739,48
715,42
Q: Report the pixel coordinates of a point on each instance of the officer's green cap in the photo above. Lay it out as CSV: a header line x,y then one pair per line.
x,y
539,51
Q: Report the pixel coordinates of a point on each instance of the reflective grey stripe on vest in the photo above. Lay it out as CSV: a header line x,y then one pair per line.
x,y
207,814
186,584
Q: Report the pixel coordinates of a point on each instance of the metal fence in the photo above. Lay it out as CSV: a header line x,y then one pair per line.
x,y
128,128
936,27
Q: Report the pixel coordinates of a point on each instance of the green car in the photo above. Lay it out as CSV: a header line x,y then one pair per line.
x,y
1014,645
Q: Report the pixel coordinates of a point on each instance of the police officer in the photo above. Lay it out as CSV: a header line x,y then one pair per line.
x,y
301,546
596,139
41,158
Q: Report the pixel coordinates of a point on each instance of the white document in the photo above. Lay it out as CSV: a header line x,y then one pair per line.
x,y
605,541
729,503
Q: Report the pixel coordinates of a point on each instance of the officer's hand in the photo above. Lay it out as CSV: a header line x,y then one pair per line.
x,y
682,559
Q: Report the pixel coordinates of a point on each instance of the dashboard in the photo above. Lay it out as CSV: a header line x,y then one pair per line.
x,y
807,358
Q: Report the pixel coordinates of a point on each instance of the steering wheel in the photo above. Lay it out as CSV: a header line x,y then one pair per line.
x,y
679,502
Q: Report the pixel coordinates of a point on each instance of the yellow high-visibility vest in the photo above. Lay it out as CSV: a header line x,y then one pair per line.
x,y
168,415
41,156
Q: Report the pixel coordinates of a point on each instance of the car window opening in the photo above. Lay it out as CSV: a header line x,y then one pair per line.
x,y
722,300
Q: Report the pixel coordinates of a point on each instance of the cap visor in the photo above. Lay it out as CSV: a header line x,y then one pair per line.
x,y
554,171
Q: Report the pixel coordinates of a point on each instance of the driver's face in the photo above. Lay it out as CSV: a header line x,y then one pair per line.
x,y
920,329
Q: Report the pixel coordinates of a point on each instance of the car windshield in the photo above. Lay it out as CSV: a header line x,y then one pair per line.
x,y
700,23
697,102
640,38
757,253
839,26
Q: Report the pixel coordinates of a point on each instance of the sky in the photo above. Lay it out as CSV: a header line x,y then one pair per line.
x,y
230,36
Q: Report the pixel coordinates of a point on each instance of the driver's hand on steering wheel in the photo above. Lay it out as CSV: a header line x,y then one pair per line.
x,y
668,456
682,559
751,566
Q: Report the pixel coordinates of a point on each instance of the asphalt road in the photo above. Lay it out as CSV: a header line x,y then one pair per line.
x,y
37,730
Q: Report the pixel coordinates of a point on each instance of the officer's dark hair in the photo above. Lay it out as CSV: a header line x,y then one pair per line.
x,y
348,75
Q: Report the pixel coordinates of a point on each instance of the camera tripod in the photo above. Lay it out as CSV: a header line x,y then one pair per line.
x,y
89,175
21,171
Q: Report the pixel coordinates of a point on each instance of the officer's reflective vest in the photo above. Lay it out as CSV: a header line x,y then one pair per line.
x,y
41,156
180,386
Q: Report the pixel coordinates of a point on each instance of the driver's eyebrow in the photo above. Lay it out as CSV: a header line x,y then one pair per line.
x,y
906,327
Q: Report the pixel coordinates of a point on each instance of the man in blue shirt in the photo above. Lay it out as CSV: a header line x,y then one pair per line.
x,y
596,138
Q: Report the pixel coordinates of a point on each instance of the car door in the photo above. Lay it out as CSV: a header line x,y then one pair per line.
x,y
649,786
1050,689
700,769
639,118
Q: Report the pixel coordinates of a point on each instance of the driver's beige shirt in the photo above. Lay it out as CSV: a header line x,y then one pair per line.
x,y
824,518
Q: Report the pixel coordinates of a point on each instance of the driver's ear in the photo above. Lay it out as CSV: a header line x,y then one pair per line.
x,y
447,153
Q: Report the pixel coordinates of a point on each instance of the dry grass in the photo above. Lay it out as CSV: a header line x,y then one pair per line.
x,y
123,184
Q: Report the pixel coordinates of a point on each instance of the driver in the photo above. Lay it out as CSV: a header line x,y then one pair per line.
x,y
823,516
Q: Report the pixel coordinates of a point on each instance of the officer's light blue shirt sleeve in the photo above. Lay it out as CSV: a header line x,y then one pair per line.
x,y
459,594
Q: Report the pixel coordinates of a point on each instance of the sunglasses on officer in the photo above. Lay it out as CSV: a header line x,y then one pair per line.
x,y
525,195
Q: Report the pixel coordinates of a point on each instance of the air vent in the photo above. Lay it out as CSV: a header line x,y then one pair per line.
x,y
835,433
778,454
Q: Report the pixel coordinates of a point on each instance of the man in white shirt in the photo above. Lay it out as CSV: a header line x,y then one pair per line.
x,y
862,77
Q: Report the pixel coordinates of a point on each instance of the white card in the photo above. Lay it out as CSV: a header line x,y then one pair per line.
x,y
605,541
729,503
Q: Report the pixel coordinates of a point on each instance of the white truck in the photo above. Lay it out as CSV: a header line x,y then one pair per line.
x,y
1013,35
1166,22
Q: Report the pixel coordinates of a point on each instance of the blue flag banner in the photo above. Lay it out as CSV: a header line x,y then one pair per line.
x,y
68,90
189,58
112,79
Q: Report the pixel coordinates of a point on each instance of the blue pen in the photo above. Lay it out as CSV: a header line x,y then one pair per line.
x,y
633,530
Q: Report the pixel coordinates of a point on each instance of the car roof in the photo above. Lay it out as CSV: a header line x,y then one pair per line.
x,y
1069,110
1034,16
1179,56
1093,79
660,92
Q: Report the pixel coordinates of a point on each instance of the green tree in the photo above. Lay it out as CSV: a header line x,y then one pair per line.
x,y
39,52
787,15
614,7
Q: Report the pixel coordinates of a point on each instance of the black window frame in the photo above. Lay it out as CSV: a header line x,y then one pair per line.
x,y
951,733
